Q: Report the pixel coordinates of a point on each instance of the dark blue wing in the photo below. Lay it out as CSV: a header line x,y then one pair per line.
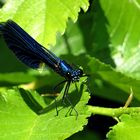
x,y
25,47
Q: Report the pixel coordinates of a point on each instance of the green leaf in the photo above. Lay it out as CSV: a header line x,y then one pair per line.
x,y
72,42
42,19
20,112
20,77
101,71
110,32
127,129
124,38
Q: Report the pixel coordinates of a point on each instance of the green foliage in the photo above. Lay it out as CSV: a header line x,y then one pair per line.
x,y
42,19
23,117
104,41
123,35
116,78
127,129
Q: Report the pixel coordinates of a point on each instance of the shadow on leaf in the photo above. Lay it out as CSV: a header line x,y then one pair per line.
x,y
30,101
70,102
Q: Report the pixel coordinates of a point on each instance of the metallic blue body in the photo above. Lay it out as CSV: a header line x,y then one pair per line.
x,y
31,53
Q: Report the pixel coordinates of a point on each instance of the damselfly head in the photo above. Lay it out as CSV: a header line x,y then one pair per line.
x,y
75,75
79,72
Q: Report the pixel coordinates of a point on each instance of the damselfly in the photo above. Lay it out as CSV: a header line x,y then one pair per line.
x,y
31,53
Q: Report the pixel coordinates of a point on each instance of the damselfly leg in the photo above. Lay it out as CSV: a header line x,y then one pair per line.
x,y
66,97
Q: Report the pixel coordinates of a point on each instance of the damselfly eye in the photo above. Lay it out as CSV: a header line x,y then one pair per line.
x,y
80,71
68,74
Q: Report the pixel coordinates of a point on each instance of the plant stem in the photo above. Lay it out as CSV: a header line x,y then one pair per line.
x,y
112,112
